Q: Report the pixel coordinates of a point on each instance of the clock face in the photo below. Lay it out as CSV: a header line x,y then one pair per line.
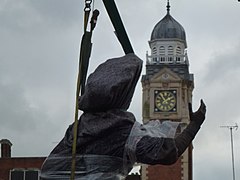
x,y
165,101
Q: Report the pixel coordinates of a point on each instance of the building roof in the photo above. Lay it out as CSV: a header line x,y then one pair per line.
x,y
168,28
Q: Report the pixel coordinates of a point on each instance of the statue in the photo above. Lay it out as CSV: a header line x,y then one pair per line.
x,y
110,140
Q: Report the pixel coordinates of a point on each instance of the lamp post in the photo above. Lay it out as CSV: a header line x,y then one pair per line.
x,y
231,128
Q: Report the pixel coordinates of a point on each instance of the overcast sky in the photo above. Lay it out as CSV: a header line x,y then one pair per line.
x,y
39,49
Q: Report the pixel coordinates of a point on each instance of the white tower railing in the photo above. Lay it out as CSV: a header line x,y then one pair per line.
x,y
166,59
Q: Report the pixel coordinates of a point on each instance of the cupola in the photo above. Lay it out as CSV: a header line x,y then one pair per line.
x,y
168,29
168,42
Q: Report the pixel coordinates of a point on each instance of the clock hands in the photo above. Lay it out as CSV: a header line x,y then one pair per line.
x,y
162,97
166,100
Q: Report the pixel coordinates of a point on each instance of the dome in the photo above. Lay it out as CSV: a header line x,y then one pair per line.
x,y
168,28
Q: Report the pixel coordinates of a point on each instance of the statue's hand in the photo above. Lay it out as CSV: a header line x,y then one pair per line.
x,y
199,115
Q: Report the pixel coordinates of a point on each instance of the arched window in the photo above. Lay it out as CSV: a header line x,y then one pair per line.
x,y
154,54
161,51
178,53
170,53
170,50
154,51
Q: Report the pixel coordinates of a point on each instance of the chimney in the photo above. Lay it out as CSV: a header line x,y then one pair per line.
x,y
5,148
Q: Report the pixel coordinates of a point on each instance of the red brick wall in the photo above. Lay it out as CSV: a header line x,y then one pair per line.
x,y
160,172
7,164
5,150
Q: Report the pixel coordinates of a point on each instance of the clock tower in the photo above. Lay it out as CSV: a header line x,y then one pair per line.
x,y
167,89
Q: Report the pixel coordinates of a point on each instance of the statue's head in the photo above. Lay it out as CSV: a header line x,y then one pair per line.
x,y
111,85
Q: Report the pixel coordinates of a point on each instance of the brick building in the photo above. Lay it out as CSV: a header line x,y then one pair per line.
x,y
18,168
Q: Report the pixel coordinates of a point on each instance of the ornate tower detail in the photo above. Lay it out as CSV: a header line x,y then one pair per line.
x,y
167,90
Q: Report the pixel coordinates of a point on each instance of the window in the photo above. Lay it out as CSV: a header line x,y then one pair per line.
x,y
162,51
170,53
22,174
162,59
154,51
178,51
170,59
170,50
17,175
31,175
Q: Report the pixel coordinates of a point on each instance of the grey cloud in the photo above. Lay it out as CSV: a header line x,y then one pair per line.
x,y
28,123
14,109
59,12
34,14
224,65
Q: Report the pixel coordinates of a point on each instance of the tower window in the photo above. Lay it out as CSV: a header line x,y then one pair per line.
x,y
162,53
170,53
154,51
162,50
178,51
162,59
170,50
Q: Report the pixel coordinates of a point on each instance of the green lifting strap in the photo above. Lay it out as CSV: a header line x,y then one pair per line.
x,y
86,48
85,53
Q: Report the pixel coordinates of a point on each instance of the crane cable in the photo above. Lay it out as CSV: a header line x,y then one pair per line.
x,y
85,52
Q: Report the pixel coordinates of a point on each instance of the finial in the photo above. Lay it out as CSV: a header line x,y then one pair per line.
x,y
168,7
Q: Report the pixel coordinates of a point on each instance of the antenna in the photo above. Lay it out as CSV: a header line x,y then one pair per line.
x,y
231,128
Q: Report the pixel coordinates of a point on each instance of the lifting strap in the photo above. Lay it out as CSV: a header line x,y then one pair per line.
x,y
85,52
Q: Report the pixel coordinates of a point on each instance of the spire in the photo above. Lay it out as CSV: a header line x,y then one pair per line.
x,y
168,7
